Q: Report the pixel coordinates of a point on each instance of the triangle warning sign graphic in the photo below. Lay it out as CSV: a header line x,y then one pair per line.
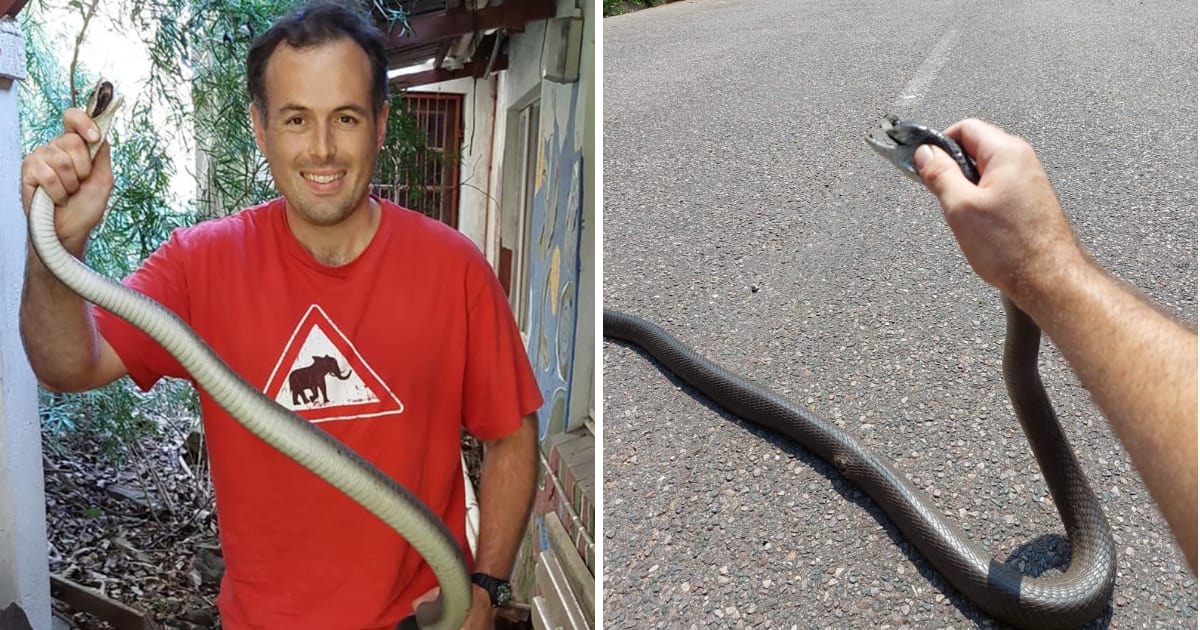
x,y
321,376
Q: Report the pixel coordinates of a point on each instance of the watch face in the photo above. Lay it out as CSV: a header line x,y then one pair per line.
x,y
503,594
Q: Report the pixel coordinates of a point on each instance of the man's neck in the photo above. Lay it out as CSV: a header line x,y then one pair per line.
x,y
337,245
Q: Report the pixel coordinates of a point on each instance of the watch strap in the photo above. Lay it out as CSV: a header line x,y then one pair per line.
x,y
494,586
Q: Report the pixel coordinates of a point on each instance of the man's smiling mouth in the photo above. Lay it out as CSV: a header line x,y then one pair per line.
x,y
323,179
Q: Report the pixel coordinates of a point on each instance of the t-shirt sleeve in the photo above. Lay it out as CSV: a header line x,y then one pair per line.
x,y
161,278
500,387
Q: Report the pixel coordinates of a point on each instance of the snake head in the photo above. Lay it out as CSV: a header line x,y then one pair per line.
x,y
101,98
102,106
899,142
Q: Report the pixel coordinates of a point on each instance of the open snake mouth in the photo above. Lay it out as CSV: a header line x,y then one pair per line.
x,y
102,97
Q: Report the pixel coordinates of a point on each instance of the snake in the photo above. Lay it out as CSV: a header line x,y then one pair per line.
x,y
1070,599
284,430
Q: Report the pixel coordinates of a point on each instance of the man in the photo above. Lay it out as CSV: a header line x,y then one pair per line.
x,y
387,328
1138,363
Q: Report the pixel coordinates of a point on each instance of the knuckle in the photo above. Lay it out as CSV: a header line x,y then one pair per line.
x,y
61,161
73,142
29,165
39,173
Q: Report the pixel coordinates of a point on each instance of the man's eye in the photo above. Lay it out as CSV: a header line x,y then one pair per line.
x,y
348,120
295,120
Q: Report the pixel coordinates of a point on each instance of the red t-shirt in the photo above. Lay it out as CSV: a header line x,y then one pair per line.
x,y
392,354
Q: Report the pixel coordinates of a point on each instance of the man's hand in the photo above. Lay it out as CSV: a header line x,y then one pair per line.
x,y
482,615
78,187
1010,227
60,337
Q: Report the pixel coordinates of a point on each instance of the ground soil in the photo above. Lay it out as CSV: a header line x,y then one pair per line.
x,y
138,525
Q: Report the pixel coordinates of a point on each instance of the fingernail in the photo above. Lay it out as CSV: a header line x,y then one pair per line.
x,y
923,154
93,135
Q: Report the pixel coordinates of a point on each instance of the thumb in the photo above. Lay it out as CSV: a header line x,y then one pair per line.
x,y
941,174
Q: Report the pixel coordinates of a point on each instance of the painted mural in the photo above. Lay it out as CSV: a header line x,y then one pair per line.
x,y
564,509
554,267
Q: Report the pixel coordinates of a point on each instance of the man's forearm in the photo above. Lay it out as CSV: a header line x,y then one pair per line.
x,y
57,330
506,489
1140,367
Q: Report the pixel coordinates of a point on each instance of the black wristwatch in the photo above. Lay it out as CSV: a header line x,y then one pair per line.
x,y
499,590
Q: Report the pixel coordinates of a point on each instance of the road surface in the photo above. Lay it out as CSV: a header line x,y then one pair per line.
x,y
744,213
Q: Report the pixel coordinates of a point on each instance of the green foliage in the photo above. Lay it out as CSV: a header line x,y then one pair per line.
x,y
138,221
202,46
114,413
618,7
613,7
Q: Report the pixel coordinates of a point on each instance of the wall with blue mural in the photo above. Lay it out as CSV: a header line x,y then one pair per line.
x,y
560,264
554,265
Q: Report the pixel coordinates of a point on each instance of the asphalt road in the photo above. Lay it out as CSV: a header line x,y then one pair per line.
x,y
745,214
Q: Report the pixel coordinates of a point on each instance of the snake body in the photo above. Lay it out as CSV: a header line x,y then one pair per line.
x,y
279,427
1068,600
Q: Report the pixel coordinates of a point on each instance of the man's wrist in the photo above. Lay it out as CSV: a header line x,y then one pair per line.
x,y
1046,285
498,590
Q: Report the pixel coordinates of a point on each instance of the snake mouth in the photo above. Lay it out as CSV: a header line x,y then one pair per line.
x,y
887,136
102,98
896,141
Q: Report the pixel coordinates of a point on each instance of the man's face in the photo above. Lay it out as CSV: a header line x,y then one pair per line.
x,y
320,135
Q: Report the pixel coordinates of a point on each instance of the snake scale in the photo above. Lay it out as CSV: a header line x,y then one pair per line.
x,y
1070,599
284,430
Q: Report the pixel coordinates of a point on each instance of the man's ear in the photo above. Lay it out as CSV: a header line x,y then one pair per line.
x,y
258,122
381,125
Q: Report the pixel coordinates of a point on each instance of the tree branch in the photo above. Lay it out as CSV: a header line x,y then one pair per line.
x,y
87,18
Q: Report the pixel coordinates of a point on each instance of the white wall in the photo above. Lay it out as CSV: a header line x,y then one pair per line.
x,y
24,575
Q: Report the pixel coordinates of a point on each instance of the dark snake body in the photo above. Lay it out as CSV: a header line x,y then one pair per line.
x,y
1067,600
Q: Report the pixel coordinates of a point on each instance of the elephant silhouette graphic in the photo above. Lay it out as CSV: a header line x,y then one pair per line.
x,y
308,382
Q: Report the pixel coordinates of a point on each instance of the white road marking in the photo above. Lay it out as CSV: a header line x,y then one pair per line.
x,y
924,76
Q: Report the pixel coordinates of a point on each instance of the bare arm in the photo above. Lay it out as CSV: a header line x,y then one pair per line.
x,y
65,350
1138,363
506,488
57,328
1140,367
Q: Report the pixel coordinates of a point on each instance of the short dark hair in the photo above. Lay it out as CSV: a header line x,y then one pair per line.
x,y
312,24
